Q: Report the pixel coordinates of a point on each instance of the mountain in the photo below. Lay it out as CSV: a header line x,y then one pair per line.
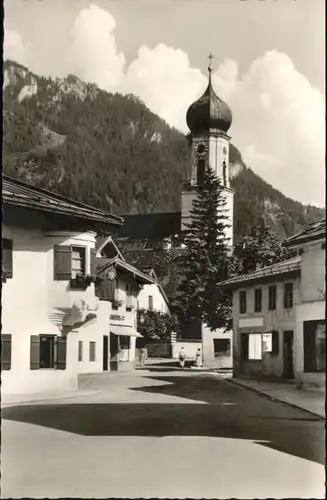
x,y
111,151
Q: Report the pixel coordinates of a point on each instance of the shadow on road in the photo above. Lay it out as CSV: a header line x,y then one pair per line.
x,y
248,417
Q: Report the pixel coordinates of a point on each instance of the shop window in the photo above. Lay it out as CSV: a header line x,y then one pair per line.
x,y
242,302
272,298
222,347
255,346
124,342
258,300
288,295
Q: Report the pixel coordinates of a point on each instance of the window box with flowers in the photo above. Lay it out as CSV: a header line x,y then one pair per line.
x,y
81,281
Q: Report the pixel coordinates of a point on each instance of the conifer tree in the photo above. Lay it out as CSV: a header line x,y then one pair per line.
x,y
260,248
205,262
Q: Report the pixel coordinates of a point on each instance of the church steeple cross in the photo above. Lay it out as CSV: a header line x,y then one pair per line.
x,y
210,57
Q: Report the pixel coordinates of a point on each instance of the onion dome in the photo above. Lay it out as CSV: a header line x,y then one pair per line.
x,y
209,111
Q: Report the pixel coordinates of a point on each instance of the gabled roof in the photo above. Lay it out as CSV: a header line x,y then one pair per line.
x,y
20,194
103,242
141,277
151,272
287,268
315,231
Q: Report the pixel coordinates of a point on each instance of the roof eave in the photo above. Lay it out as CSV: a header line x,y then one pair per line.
x,y
261,280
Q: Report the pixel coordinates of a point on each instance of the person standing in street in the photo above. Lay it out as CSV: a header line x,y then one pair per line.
x,y
198,358
142,356
182,357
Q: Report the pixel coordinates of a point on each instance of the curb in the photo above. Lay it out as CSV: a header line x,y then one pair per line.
x,y
274,398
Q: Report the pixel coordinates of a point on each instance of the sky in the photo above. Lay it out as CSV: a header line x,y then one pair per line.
x,y
269,65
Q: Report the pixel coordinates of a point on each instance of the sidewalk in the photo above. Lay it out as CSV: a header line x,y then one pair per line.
x,y
310,401
18,399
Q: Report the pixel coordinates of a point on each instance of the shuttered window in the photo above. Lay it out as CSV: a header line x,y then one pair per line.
x,y
257,300
5,351
242,302
62,262
7,259
107,289
275,343
48,351
150,303
288,295
244,346
272,298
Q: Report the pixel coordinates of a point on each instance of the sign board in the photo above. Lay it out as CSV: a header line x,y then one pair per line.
x,y
267,342
117,317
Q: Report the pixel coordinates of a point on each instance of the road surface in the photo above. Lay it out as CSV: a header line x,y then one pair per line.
x,y
164,434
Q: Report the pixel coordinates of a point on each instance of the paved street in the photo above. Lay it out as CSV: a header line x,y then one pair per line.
x,y
163,434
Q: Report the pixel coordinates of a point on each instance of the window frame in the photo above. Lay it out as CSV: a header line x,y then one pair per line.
x,y
257,302
251,336
82,270
92,351
80,351
288,302
242,302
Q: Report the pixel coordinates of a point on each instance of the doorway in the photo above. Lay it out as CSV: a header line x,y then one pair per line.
x,y
105,353
288,371
114,352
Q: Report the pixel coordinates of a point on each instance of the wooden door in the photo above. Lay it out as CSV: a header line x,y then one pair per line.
x,y
114,352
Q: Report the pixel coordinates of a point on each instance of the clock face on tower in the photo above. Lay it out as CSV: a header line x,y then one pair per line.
x,y
201,149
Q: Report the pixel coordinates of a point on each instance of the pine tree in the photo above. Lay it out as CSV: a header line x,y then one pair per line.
x,y
205,262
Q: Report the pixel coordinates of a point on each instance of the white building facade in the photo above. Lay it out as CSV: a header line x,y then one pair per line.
x,y
53,325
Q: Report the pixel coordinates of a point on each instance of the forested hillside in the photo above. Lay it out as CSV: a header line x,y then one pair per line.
x,y
111,151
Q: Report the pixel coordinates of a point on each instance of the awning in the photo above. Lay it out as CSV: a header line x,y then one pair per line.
x,y
124,331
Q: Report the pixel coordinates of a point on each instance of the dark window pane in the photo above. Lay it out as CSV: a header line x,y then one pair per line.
x,y
47,344
272,298
257,300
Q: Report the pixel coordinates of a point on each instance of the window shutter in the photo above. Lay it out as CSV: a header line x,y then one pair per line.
x,y
61,353
309,346
7,258
93,269
275,343
5,351
244,346
35,352
62,262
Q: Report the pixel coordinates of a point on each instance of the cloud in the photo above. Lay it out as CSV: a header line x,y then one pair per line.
x,y
13,47
278,116
92,54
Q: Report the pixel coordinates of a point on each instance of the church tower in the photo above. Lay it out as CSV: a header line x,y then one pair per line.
x,y
209,119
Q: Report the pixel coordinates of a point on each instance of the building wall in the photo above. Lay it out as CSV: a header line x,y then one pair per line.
x,y
209,358
159,303
217,145
280,320
190,348
313,279
34,303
